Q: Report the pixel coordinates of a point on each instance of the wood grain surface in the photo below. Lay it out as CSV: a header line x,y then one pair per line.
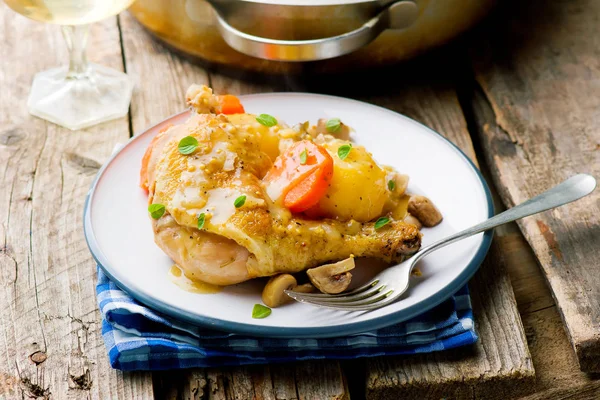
x,y
50,340
498,366
537,107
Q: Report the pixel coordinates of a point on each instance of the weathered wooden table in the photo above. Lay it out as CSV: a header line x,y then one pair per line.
x,y
520,95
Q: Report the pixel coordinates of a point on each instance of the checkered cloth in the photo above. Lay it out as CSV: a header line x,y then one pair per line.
x,y
138,338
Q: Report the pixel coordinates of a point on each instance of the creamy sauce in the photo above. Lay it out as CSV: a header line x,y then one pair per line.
x,y
177,276
220,204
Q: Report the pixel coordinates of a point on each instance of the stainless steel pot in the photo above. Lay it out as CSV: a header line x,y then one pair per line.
x,y
284,35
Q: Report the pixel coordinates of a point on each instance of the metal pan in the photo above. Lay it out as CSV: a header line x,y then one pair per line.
x,y
295,36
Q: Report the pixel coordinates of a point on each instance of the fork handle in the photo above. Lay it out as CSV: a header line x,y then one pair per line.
x,y
572,189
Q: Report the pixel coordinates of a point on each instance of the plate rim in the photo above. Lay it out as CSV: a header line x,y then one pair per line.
x,y
293,332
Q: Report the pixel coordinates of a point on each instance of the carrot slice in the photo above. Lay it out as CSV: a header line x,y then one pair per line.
x,y
230,105
300,185
309,191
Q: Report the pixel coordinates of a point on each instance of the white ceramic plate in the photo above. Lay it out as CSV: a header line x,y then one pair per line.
x,y
119,233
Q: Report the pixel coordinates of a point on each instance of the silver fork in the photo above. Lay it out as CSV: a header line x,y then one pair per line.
x,y
391,283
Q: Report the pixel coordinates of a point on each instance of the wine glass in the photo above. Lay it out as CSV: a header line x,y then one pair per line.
x,y
82,94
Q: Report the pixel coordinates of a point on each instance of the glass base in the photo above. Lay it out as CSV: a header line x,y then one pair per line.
x,y
99,95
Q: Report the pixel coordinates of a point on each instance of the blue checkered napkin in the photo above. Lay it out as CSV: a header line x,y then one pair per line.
x,y
138,338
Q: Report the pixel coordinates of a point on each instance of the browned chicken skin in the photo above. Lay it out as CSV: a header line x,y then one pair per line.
x,y
260,238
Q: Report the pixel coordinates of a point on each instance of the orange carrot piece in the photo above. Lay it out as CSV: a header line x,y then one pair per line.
x,y
309,191
301,185
230,104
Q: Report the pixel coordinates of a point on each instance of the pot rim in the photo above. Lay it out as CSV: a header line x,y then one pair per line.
x,y
313,3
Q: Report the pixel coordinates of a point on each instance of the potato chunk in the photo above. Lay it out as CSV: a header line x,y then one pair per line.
x,y
358,187
269,137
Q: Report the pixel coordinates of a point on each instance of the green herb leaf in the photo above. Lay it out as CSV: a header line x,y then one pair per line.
x,y
344,150
266,120
303,157
156,210
333,125
391,185
187,145
201,218
381,222
239,201
259,311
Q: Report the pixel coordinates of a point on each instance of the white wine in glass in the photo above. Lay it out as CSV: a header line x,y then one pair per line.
x,y
82,94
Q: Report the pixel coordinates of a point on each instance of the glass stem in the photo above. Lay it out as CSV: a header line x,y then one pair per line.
x,y
76,37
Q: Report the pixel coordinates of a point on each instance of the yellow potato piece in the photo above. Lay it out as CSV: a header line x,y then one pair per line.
x,y
268,137
358,188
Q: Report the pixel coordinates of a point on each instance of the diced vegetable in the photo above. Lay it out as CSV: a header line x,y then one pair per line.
x,y
269,138
230,104
300,185
358,189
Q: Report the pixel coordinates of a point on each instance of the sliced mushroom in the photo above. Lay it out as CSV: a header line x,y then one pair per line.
x,y
343,133
304,288
424,210
332,278
410,219
273,294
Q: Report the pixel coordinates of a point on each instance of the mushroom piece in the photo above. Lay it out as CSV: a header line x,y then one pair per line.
x,y
273,294
410,219
304,288
332,278
424,210
342,133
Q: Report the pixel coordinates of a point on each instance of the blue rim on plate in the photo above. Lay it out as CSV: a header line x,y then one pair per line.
x,y
282,332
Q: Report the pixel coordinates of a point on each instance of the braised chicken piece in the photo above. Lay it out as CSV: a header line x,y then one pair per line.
x,y
245,196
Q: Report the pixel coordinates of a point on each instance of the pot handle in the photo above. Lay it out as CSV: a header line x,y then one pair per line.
x,y
399,15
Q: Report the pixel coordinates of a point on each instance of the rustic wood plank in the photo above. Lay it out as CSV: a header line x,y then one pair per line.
x,y
531,290
537,112
529,286
556,363
498,366
298,381
190,384
586,391
557,371
50,340
321,380
252,382
163,79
